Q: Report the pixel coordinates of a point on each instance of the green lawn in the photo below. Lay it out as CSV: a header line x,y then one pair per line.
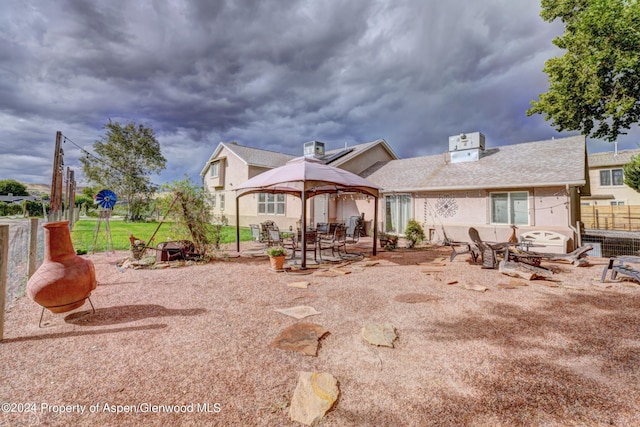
x,y
84,231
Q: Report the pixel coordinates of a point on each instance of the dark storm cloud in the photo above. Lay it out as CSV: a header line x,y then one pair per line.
x,y
269,74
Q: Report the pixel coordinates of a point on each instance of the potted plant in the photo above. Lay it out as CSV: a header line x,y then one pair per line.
x,y
277,254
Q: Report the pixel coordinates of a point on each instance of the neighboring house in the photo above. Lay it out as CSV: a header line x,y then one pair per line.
x,y
231,164
607,179
534,186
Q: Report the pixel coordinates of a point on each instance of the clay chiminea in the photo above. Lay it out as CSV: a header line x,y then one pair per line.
x,y
64,280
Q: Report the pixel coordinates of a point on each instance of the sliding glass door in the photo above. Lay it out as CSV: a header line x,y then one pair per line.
x,y
397,213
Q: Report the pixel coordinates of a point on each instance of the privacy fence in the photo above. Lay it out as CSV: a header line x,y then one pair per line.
x,y
622,218
611,230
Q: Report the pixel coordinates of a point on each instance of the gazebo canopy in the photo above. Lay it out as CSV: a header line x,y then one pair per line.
x,y
306,177
309,175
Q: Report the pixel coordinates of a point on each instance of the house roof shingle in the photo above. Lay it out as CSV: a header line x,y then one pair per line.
x,y
542,163
250,156
356,150
259,157
610,158
271,159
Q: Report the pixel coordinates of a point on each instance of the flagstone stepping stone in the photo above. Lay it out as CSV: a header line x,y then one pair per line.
x,y
478,288
548,283
315,394
326,273
299,285
299,312
304,295
300,337
415,298
513,284
434,269
380,334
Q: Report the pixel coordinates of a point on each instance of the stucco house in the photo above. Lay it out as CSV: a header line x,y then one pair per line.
x,y
534,186
607,179
232,164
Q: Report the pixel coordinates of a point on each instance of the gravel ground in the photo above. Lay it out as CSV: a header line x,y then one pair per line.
x,y
196,338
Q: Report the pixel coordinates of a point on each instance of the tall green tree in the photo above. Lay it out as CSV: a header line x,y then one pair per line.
x,y
126,157
595,86
11,186
631,173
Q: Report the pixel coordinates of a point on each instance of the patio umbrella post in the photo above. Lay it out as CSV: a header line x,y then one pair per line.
x,y
375,226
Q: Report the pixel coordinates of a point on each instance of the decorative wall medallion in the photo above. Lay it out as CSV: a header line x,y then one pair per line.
x,y
446,206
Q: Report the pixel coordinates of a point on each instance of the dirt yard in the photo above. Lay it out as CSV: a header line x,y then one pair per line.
x,y
196,339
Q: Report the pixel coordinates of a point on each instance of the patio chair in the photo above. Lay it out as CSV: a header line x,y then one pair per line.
x,y
622,265
334,242
264,229
354,229
489,252
322,229
273,237
255,232
310,240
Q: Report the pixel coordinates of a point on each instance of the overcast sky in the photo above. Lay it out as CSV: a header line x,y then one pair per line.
x,y
270,74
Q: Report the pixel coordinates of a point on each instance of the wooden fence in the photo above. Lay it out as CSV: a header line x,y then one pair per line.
x,y
611,217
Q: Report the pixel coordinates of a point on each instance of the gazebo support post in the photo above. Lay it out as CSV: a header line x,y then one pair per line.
x,y
375,226
303,232
237,223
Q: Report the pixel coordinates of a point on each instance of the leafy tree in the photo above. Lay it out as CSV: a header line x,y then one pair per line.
x,y
631,173
10,209
84,202
90,192
126,156
11,186
595,86
34,208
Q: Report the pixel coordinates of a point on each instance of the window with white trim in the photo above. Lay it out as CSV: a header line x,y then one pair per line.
x,y
213,200
222,202
215,169
271,204
510,208
611,177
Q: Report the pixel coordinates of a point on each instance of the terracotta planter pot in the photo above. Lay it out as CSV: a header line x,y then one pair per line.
x,y
277,262
64,280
